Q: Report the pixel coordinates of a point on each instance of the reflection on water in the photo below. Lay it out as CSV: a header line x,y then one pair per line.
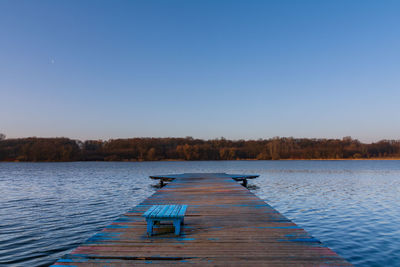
x,y
47,209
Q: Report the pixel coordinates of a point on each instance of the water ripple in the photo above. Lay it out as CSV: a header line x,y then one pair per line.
x,y
47,209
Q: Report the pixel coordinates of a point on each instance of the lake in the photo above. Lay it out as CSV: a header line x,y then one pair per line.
x,y
47,209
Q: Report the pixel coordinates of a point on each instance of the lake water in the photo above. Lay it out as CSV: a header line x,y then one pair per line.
x,y
47,209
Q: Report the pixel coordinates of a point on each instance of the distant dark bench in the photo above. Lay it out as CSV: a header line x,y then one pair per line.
x,y
157,213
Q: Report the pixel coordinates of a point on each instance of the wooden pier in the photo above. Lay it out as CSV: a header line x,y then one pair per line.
x,y
225,225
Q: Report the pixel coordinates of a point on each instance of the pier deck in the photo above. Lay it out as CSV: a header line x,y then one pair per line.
x,y
225,225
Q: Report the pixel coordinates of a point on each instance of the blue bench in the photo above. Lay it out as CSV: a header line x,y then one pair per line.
x,y
158,213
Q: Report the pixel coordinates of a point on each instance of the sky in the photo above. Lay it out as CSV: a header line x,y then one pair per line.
x,y
207,69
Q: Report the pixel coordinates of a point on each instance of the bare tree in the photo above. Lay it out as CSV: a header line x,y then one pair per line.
x,y
2,136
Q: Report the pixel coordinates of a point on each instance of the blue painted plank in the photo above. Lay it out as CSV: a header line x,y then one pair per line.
x,y
151,210
165,211
155,211
170,210
147,213
182,211
160,212
175,211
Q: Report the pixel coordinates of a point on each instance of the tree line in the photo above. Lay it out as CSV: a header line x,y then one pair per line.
x,y
153,149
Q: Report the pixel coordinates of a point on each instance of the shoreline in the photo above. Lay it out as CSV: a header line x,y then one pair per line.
x,y
172,160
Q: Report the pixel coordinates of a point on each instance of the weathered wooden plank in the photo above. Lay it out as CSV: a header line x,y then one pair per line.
x,y
225,224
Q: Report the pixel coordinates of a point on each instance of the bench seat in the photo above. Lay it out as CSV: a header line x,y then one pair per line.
x,y
158,213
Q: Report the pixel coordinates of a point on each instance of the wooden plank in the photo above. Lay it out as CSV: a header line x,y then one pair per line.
x,y
155,211
149,211
169,212
165,212
161,212
182,211
176,210
225,224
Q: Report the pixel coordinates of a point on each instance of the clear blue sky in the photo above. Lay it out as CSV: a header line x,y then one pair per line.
x,y
238,69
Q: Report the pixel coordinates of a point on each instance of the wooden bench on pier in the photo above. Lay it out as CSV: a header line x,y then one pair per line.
x,y
157,213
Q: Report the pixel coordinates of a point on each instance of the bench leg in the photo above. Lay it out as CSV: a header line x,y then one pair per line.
x,y
177,225
150,227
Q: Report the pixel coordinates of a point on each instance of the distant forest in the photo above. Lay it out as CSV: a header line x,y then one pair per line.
x,y
152,149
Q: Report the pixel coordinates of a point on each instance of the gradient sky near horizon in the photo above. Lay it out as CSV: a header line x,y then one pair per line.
x,y
237,69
